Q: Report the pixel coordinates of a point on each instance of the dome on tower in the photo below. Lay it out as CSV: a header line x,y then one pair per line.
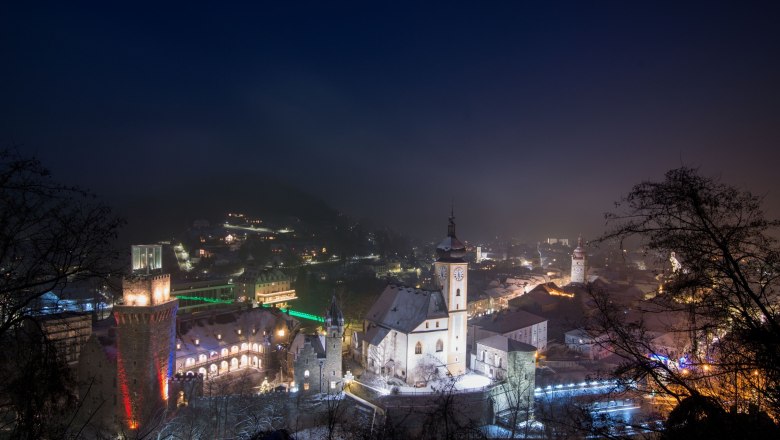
x,y
579,251
451,249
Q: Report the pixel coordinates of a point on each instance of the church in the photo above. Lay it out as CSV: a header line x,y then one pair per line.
x,y
412,333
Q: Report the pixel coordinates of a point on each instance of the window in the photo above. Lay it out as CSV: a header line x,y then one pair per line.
x,y
418,348
333,384
484,353
437,324
457,292
426,325
439,345
306,386
306,373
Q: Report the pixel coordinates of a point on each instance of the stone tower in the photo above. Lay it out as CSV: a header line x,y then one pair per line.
x,y
334,336
146,330
578,261
452,278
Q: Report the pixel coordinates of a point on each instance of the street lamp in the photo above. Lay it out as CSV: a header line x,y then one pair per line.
x,y
322,361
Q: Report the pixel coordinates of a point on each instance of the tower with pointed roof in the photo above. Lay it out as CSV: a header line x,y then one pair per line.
x,y
578,260
334,337
452,278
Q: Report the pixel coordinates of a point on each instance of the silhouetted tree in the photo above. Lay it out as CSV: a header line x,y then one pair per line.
x,y
51,235
720,298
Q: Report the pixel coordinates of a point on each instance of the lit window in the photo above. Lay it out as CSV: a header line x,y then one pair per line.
x,y
333,384
306,373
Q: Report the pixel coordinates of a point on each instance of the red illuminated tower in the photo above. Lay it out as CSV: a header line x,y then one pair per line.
x,y
146,330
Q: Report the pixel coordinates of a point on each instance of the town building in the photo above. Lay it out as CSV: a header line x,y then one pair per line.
x,y
68,332
316,359
513,364
265,287
217,343
580,341
517,325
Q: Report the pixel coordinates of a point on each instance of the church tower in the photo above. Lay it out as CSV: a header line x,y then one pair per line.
x,y
451,277
334,336
146,330
578,264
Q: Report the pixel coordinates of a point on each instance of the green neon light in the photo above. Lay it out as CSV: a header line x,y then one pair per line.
x,y
292,312
204,299
298,314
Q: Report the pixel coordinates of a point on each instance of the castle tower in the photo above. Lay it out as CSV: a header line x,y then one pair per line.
x,y
578,261
452,276
334,334
146,329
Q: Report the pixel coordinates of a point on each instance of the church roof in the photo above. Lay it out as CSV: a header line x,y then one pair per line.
x,y
333,315
405,308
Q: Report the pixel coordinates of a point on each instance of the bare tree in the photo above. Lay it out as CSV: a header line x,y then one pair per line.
x,y
51,235
722,293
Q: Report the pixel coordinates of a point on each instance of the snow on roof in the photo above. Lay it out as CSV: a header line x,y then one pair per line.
x,y
507,321
220,331
500,342
405,308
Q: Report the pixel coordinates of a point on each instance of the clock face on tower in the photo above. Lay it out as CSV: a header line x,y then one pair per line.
x,y
443,273
458,273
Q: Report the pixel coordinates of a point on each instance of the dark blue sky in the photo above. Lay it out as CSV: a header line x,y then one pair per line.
x,y
534,117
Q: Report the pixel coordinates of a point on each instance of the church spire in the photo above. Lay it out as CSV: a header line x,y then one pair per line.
x,y
451,225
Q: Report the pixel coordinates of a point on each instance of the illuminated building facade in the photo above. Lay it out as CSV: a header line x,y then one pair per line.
x,y
146,258
265,287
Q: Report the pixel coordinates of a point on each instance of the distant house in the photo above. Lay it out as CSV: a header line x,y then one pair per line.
x,y
266,287
582,342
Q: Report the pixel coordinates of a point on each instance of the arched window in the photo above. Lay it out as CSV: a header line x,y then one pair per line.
x,y
189,361
457,292
306,373
439,345
224,352
202,358
234,349
418,348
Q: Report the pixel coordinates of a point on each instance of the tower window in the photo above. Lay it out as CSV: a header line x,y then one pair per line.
x,y
457,292
418,348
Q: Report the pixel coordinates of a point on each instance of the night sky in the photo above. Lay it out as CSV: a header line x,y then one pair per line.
x,y
533,117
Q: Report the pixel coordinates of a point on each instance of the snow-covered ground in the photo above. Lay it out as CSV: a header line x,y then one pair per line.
x,y
466,382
